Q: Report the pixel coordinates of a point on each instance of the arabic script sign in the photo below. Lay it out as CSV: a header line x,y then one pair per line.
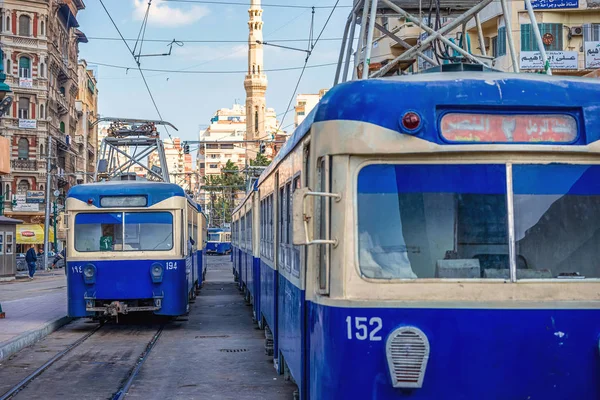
x,y
504,128
558,60
592,54
550,4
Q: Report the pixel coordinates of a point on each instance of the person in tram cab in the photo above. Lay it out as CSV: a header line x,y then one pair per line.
x,y
106,240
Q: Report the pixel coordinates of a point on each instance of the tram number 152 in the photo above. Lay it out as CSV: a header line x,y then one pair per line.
x,y
363,328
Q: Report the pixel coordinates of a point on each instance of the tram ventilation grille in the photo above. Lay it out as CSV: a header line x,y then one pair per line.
x,y
233,350
407,351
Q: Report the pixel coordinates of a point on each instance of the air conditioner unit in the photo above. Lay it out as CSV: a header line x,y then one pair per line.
x,y
576,31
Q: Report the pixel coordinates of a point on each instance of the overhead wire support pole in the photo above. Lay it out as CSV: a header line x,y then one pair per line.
x,y
361,38
538,36
480,34
350,43
369,44
511,43
47,205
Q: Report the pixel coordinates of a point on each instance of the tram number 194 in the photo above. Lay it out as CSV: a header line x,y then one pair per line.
x,y
363,328
171,265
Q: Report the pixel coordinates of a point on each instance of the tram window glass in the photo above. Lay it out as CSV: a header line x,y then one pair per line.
x,y
249,224
282,216
98,232
296,249
557,209
432,221
143,231
148,231
213,237
320,215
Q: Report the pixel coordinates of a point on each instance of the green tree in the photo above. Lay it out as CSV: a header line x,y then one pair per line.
x,y
260,161
222,189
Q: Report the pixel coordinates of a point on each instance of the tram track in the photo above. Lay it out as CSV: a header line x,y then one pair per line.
x,y
124,385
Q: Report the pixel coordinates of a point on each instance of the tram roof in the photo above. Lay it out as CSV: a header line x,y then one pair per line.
x,y
383,101
156,191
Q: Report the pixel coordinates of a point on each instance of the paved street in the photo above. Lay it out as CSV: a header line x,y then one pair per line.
x,y
214,353
31,304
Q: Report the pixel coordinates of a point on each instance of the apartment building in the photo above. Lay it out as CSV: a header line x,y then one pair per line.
x,y
40,43
570,31
86,135
305,103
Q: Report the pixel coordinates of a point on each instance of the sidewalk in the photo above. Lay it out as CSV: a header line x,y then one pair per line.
x,y
34,308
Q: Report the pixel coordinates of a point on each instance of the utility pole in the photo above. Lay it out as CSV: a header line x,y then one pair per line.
x,y
47,218
54,220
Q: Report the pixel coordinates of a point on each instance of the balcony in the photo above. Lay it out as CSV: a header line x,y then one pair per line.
x,y
61,103
24,165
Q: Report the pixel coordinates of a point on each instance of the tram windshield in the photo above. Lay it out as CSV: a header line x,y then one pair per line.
x,y
214,237
142,231
451,221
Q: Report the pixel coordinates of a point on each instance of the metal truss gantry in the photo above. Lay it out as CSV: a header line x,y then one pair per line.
x,y
366,16
128,144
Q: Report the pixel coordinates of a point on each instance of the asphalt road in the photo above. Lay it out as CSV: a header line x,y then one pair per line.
x,y
216,352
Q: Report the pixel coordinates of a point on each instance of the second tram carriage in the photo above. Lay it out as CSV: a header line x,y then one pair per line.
x,y
133,246
432,236
219,241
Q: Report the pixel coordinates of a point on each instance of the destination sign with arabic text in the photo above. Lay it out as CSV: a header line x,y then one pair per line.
x,y
503,128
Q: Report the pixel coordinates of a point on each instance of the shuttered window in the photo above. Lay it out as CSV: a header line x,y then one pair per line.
x,y
500,48
529,43
591,33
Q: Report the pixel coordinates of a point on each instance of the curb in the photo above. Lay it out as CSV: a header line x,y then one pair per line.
x,y
28,338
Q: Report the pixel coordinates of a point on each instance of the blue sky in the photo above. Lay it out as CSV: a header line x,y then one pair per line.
x,y
189,100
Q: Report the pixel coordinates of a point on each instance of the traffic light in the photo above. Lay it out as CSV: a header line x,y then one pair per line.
x,y
262,148
186,148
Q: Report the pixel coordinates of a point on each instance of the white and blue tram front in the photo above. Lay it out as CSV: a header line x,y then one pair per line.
x,y
129,249
219,241
457,240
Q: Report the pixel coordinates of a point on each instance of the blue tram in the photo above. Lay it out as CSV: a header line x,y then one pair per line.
x,y
441,245
133,246
219,241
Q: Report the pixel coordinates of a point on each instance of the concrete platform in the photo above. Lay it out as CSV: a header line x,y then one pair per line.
x,y
33,308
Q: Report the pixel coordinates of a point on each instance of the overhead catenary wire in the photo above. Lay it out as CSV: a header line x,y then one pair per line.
x,y
240,3
138,64
311,48
182,71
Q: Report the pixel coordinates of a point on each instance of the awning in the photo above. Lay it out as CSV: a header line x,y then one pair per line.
x,y
68,16
32,234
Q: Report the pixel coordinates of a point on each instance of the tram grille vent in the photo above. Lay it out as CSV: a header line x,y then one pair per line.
x,y
407,351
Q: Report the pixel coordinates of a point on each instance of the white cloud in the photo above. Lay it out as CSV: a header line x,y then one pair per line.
x,y
162,14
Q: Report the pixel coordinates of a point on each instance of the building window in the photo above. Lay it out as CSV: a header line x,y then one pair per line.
x,y
42,70
62,126
42,149
256,121
500,47
8,67
24,28
42,28
214,156
494,46
529,43
202,165
23,187
213,166
23,108
6,189
227,146
301,113
212,146
62,91
24,67
42,111
591,33
23,149
8,23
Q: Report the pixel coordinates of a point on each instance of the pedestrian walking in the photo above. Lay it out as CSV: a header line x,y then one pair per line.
x,y
31,259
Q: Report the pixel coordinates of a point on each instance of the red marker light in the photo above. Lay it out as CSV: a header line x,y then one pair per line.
x,y
90,201
411,121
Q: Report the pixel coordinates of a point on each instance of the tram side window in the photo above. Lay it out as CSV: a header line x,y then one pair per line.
x,y
282,224
249,225
295,249
432,221
557,209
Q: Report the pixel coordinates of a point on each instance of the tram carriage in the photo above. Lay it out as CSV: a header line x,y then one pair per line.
x,y
219,241
433,236
129,249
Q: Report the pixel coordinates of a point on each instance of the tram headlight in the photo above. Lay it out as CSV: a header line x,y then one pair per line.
x,y
156,271
89,273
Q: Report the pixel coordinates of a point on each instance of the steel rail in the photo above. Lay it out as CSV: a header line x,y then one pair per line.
x,y
122,392
21,385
